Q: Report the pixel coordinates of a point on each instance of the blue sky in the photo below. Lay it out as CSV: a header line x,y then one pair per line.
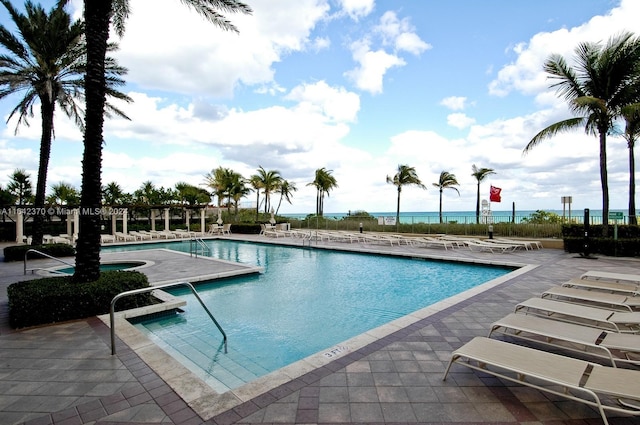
x,y
357,87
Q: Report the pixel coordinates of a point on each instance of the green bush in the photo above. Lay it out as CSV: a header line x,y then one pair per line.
x,y
57,299
245,228
626,245
16,252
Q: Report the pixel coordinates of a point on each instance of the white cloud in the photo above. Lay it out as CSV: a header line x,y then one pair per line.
x,y
400,34
455,103
373,65
526,75
207,60
460,120
357,9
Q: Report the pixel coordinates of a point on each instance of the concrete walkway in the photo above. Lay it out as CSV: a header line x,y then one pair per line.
x,y
65,374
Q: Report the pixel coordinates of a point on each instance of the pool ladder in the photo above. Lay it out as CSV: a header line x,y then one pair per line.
x,y
44,255
153,288
197,245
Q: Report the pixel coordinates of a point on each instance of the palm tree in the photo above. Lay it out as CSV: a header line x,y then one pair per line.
x,y
631,116
98,16
404,177
324,182
256,184
46,62
604,80
112,194
214,180
270,182
446,181
20,186
237,190
286,190
63,194
479,174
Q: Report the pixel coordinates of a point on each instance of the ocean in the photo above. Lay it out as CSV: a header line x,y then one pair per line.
x,y
463,216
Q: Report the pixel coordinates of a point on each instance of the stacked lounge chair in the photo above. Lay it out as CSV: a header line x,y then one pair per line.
x,y
589,325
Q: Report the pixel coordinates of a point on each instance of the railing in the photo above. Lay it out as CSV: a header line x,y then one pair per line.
x,y
196,243
153,288
44,255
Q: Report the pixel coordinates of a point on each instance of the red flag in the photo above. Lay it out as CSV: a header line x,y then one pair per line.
x,y
494,194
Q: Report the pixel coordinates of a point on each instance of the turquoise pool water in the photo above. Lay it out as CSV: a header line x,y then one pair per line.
x,y
307,300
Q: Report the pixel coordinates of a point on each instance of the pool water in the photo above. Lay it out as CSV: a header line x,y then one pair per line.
x,y
105,267
307,300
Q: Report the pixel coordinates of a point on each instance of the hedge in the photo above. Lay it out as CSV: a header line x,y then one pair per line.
x,y
627,243
16,252
57,299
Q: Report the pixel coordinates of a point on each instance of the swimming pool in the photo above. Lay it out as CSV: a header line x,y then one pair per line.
x,y
307,300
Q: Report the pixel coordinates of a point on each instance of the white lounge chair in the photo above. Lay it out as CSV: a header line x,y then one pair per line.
x,y
603,285
107,238
141,236
593,298
578,380
120,236
616,348
617,321
612,277
487,246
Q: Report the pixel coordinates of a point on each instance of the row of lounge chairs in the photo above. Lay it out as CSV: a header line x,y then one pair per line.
x,y
143,235
591,343
443,241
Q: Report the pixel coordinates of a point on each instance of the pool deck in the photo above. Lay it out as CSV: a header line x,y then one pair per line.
x,y
65,373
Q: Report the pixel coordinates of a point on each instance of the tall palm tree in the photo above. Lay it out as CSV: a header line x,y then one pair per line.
x,y
46,61
603,81
479,174
286,190
324,182
98,16
238,189
405,176
446,181
256,184
631,115
270,182
214,180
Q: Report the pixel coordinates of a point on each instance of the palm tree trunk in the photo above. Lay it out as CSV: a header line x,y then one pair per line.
x,y
47,111
632,183
478,204
604,182
257,203
398,209
97,16
440,205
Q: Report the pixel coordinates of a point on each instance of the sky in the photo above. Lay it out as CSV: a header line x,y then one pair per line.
x,y
358,87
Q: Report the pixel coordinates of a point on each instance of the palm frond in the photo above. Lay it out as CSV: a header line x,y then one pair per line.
x,y
552,130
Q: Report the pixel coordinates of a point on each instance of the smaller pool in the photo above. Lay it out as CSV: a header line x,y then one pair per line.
x,y
120,265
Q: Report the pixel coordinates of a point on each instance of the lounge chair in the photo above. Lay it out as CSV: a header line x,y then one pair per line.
x,y
593,298
612,277
616,348
141,236
107,238
487,246
120,236
603,285
527,244
617,321
578,380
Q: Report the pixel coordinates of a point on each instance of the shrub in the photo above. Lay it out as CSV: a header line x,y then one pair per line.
x,y
245,228
16,252
57,299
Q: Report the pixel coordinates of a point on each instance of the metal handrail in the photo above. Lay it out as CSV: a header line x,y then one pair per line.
x,y
200,242
153,288
44,255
